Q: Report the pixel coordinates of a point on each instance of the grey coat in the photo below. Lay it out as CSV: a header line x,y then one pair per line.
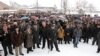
x,y
77,32
28,40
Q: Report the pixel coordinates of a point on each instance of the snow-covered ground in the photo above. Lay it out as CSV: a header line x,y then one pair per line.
x,y
66,50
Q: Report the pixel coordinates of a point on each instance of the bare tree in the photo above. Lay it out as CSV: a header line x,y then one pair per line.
x,y
81,11
83,6
91,8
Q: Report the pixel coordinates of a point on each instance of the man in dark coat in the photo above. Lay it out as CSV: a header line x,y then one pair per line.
x,y
44,34
98,37
67,35
17,40
48,28
35,32
6,40
0,33
86,33
96,31
52,38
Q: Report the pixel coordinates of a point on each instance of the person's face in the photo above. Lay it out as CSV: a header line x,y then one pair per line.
x,y
35,26
48,22
53,27
9,26
44,24
17,29
28,29
67,26
78,26
5,26
35,22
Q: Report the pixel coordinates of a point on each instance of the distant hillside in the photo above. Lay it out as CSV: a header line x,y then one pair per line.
x,y
3,6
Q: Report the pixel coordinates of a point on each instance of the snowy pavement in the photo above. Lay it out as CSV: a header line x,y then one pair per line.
x,y
66,50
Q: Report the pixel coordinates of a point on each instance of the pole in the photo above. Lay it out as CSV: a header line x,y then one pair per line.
x,y
61,6
37,6
65,6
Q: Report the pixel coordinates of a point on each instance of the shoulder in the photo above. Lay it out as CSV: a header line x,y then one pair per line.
x,y
99,32
20,32
75,29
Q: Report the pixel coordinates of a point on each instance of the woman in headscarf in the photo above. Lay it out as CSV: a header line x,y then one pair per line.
x,y
60,34
28,39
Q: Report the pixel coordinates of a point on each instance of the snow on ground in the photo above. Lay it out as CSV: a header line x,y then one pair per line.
x,y
66,50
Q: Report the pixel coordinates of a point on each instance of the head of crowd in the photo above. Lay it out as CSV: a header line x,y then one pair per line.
x,y
72,20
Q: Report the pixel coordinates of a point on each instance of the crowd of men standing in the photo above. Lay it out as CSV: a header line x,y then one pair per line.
x,y
33,33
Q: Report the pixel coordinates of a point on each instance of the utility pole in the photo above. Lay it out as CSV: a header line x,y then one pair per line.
x,y
61,6
64,6
37,5
55,7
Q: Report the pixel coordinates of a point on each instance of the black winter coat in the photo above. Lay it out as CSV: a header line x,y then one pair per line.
x,y
5,38
52,34
35,35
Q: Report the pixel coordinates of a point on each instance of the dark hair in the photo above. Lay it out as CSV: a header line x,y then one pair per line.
x,y
17,27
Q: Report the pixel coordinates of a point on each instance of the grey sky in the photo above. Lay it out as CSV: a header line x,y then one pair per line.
x,y
71,3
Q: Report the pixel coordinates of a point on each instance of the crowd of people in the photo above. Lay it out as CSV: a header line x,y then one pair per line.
x,y
31,33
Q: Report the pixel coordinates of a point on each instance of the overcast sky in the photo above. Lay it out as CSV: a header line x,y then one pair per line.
x,y
71,3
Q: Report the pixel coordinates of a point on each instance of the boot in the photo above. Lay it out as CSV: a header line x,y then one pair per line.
x,y
21,54
98,50
38,46
58,50
31,50
11,53
33,46
68,42
65,42
27,51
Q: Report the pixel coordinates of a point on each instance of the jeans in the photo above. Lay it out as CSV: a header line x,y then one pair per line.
x,y
55,44
76,41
